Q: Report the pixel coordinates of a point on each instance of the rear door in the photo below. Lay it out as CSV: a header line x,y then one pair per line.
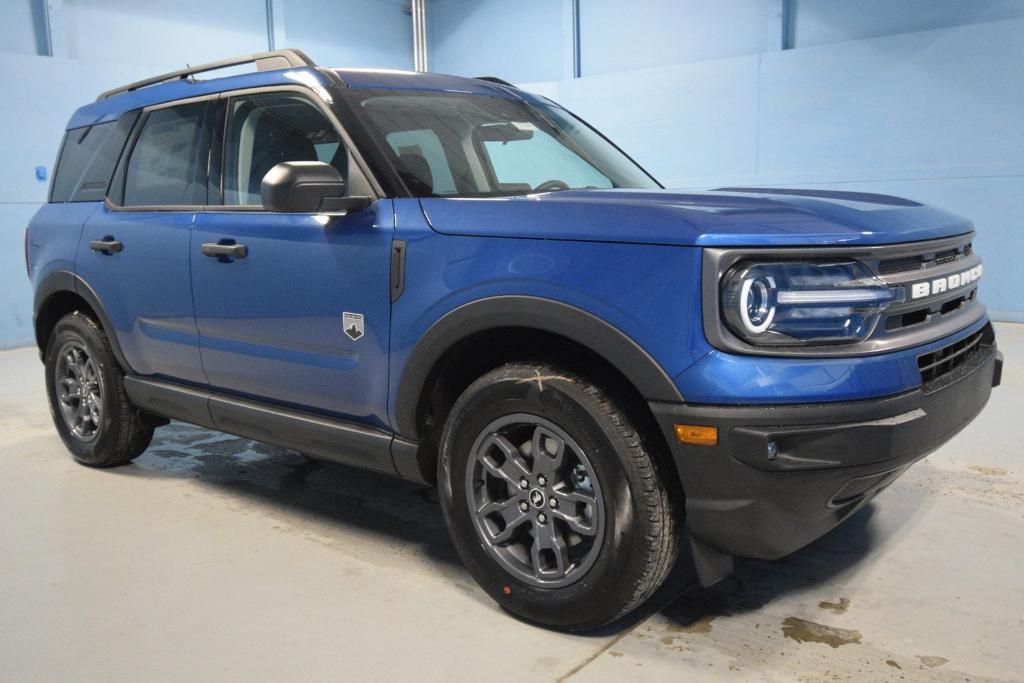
x,y
303,317
134,251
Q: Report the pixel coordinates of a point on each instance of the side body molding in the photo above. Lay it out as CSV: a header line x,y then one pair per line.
x,y
531,312
325,437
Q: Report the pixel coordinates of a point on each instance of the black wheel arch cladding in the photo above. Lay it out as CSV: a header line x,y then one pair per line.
x,y
61,283
545,315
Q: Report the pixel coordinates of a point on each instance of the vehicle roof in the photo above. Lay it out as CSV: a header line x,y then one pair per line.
x,y
111,108
394,79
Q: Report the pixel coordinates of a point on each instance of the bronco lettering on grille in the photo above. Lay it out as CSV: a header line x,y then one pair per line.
x,y
945,284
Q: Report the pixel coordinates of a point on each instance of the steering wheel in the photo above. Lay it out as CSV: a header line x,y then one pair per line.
x,y
551,185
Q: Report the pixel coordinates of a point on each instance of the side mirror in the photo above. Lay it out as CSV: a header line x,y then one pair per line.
x,y
307,187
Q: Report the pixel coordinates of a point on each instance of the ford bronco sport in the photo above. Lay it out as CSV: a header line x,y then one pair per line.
x,y
456,282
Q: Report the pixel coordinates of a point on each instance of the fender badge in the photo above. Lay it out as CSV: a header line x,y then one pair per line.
x,y
353,324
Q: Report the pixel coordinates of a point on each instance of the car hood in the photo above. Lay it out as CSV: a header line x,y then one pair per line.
x,y
717,218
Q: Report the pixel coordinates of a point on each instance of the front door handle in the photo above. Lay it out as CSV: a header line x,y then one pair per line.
x,y
225,250
108,245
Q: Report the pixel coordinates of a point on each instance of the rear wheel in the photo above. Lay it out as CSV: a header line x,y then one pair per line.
x,y
552,500
88,403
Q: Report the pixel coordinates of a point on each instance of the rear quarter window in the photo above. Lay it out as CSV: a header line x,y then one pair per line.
x,y
87,160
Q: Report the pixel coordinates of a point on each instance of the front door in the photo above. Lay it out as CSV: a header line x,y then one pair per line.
x,y
298,312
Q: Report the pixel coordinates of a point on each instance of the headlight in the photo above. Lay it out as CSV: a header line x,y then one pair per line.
x,y
802,302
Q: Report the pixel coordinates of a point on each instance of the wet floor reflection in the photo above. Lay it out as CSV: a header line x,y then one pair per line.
x,y
286,482
340,496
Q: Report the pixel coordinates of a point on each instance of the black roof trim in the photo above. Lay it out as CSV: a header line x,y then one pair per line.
x,y
494,79
264,61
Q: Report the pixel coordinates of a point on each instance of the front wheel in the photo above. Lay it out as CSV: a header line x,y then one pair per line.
x,y
552,500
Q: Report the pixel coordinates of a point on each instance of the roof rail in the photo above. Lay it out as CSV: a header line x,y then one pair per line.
x,y
265,61
495,79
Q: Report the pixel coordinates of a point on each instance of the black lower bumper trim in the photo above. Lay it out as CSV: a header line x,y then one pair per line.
x,y
781,476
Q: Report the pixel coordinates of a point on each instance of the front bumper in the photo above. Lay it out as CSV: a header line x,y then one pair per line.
x,y
782,476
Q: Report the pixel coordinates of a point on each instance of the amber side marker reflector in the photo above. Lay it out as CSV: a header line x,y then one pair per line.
x,y
697,435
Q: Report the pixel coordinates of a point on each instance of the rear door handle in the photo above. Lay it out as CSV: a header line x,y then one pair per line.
x,y
225,250
108,245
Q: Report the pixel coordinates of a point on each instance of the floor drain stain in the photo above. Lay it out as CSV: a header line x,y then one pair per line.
x,y
837,607
803,631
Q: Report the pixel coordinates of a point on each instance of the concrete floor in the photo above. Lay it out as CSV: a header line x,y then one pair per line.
x,y
214,557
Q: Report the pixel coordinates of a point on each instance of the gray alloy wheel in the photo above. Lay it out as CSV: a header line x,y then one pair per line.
x,y
534,500
79,391
85,388
523,436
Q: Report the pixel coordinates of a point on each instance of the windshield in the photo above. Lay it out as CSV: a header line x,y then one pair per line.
x,y
463,145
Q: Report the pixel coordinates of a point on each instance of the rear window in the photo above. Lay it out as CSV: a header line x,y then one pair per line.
x,y
168,162
87,160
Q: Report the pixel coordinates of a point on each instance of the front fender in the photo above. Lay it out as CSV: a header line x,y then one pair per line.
x,y
546,315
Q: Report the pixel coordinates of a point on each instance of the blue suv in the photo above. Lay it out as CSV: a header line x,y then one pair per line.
x,y
459,283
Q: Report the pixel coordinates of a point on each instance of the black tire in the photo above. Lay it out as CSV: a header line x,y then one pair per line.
x,y
639,541
120,434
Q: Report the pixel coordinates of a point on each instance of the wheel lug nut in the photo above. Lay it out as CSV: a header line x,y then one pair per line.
x,y
523,484
554,503
524,506
542,480
542,518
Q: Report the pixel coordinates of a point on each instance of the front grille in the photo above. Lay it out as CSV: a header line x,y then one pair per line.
x,y
951,255
942,361
944,307
923,315
934,285
900,265
917,262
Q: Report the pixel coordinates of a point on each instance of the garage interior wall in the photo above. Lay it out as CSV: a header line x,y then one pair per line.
x,y
919,98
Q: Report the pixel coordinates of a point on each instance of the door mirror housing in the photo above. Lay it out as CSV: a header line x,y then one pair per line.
x,y
307,187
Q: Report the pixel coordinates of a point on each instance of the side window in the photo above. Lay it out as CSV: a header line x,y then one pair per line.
x,y
539,158
87,160
422,161
168,162
265,130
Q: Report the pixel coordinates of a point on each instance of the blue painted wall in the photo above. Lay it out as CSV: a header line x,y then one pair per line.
x,y
871,99
111,42
359,33
616,36
22,26
822,22
163,32
369,33
520,41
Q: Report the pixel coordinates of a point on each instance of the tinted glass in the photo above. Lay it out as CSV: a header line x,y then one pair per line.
x,y
462,144
540,158
265,130
87,160
426,145
168,162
